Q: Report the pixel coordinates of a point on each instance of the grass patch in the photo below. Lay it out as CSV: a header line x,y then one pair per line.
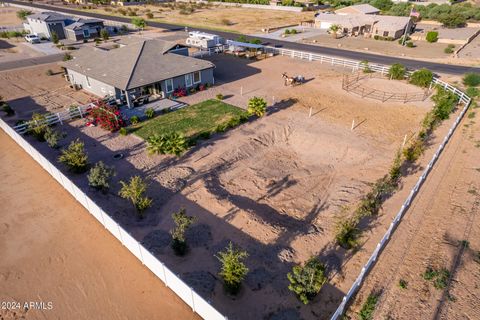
x,y
199,120
368,308
438,277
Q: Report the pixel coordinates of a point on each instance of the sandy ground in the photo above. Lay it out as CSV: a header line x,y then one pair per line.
x,y
16,49
244,20
54,252
8,17
31,89
273,186
444,214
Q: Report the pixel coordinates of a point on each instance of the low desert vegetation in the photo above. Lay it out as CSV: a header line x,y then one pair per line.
x,y
22,14
257,106
233,270
449,49
182,224
75,157
397,71
403,284
52,137
5,107
422,78
135,190
432,36
368,308
100,175
471,79
37,126
149,113
439,277
167,143
307,280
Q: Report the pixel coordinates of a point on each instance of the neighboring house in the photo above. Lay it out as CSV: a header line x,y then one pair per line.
x,y
44,23
366,25
153,67
84,29
358,9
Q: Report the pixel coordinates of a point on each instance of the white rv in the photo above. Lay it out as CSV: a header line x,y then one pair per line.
x,y
204,40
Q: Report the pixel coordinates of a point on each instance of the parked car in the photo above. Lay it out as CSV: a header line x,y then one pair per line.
x,y
32,38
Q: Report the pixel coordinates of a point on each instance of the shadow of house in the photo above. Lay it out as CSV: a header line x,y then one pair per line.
x,y
4,45
230,68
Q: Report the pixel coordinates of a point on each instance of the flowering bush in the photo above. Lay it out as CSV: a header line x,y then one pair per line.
x,y
180,92
106,116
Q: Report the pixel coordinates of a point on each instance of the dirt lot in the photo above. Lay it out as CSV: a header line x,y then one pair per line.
x,y
439,231
244,20
54,251
8,17
30,89
273,186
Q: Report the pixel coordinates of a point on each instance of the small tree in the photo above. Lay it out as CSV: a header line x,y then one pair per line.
x,y
38,126
22,14
135,191
182,223
140,23
334,28
347,233
100,175
432,36
55,37
168,143
306,281
75,157
471,79
257,106
397,71
421,78
104,34
233,270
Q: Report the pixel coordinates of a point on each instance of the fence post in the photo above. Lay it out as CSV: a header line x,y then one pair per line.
x,y
59,119
80,111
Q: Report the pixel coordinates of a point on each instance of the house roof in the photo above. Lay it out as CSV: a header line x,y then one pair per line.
x,y
135,65
347,21
48,16
79,23
364,8
392,23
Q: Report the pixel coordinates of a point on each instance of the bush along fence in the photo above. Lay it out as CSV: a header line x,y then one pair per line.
x,y
180,288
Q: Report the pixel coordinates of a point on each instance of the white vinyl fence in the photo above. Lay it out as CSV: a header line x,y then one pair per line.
x,y
185,292
355,66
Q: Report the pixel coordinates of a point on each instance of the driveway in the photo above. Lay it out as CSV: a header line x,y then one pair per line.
x,y
303,32
46,48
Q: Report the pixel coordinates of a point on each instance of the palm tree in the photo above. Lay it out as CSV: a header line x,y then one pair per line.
x,y
334,28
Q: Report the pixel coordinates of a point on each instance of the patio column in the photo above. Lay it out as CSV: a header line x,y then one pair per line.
x,y
129,100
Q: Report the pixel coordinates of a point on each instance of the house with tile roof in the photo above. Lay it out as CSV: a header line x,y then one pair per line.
x,y
145,67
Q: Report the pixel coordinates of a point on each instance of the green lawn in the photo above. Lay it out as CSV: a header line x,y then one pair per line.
x,y
205,117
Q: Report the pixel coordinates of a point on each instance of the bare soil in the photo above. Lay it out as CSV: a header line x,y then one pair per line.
x,y
54,251
439,232
274,186
8,17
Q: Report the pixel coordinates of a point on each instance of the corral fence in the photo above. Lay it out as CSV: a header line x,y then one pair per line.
x,y
353,83
355,66
180,288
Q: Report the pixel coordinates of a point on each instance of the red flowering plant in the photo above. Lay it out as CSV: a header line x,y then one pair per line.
x,y
106,116
180,92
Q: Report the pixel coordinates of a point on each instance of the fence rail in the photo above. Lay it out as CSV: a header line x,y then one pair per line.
x,y
180,288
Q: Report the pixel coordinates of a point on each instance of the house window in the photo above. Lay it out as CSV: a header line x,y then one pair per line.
x,y
385,33
169,85
88,82
86,33
196,77
188,80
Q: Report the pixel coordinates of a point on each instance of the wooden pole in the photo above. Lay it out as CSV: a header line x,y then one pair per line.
x,y
310,113
404,141
353,124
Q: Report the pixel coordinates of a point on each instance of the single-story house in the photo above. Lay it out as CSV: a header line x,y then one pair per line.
x,y
364,8
366,25
44,23
84,29
153,67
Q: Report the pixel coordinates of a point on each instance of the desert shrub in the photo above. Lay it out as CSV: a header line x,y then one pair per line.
x,y
100,175
182,223
168,143
368,308
49,72
134,120
445,102
149,113
257,106
22,14
106,116
294,31
67,56
123,131
347,233
441,281
7,109
307,281
365,66
219,96
395,170
52,137
401,41
104,34
123,12
134,190
414,150
55,37
287,31
397,71
226,22
432,36
233,270
75,157
473,92
38,126
402,284
449,49
149,15
471,79
452,20
421,78
410,44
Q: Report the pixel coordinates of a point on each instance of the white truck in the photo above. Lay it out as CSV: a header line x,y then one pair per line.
x,y
204,40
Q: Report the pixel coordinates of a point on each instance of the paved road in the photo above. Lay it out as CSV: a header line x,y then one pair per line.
x,y
346,54
30,62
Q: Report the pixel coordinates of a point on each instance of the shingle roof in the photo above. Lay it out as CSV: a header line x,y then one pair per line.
x,y
48,16
79,23
392,23
364,8
347,21
135,65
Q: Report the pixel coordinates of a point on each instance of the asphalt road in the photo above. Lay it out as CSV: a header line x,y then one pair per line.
x,y
30,62
341,53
